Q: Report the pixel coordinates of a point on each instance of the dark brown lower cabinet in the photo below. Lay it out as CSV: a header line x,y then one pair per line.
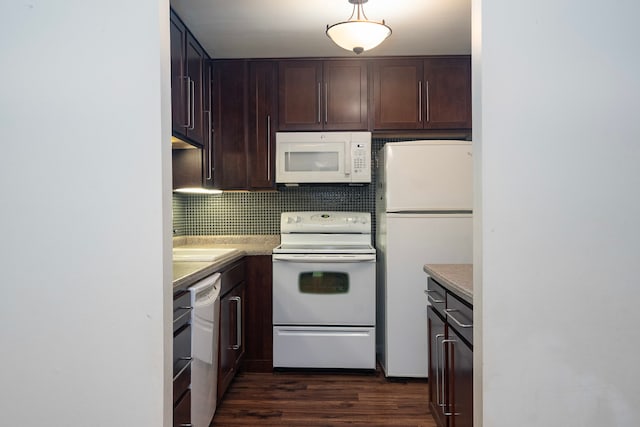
x,y
450,330
232,325
461,380
437,356
258,315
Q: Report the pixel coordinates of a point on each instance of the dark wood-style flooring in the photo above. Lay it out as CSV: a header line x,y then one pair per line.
x,y
323,399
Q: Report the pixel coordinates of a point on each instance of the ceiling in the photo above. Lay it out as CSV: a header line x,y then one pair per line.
x,y
296,28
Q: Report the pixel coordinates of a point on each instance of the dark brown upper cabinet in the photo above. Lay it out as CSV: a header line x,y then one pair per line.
x,y
245,118
430,93
229,89
188,61
262,123
323,95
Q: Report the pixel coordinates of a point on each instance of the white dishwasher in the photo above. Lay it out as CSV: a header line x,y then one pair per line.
x,y
204,349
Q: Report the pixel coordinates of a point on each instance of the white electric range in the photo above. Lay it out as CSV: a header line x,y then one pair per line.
x,y
324,291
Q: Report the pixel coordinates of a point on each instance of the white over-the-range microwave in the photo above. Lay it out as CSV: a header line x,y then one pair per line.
x,y
323,157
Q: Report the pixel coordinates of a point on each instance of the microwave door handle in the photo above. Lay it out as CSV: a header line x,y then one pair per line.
x,y
347,158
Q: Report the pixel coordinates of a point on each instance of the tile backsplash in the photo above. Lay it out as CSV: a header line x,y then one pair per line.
x,y
234,213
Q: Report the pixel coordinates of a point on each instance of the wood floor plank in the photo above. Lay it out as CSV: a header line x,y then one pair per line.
x,y
324,399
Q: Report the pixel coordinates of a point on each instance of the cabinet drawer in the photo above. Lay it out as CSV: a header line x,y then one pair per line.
x,y
181,348
231,277
182,382
437,296
460,317
182,411
181,310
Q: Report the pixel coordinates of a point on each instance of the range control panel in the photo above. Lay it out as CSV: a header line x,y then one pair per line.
x,y
325,222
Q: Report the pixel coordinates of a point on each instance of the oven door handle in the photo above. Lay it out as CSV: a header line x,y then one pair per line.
x,y
325,258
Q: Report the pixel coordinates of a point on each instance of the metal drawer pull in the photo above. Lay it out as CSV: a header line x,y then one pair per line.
x,y
326,102
184,368
238,301
193,104
427,101
268,147
438,370
209,138
432,299
319,102
188,124
189,309
445,404
448,312
420,100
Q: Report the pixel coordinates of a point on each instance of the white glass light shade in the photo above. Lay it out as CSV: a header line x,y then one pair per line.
x,y
358,36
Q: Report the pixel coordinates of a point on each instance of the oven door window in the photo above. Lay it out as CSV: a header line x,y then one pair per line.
x,y
323,282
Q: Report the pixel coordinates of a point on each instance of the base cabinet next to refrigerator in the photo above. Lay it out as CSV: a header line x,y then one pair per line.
x,y
450,329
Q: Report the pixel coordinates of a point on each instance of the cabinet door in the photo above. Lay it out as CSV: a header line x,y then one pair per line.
x,y
232,341
300,94
437,368
259,317
397,94
447,92
461,380
196,58
178,35
262,124
345,96
229,118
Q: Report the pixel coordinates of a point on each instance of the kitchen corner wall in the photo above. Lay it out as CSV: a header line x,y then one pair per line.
x,y
235,213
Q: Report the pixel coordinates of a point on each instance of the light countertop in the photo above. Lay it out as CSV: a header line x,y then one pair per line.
x,y
457,278
186,273
261,244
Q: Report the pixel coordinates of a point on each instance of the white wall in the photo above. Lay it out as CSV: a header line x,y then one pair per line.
x,y
558,104
85,196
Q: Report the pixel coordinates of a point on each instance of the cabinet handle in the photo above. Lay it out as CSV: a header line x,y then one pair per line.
x,y
193,104
209,138
427,100
445,404
238,301
188,124
448,311
319,103
189,360
188,311
326,102
432,299
438,370
268,147
420,101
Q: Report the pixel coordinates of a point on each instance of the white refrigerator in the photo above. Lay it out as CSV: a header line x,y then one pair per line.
x,y
424,200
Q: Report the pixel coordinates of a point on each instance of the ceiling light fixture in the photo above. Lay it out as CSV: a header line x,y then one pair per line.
x,y
358,34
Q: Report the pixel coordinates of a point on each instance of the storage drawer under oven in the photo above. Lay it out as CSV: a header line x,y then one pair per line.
x,y
320,347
